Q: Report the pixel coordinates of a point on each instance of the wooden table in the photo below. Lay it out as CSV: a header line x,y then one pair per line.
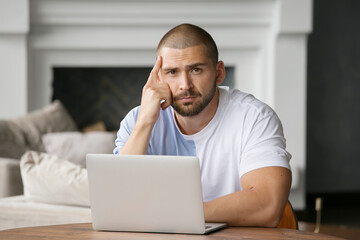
x,y
85,231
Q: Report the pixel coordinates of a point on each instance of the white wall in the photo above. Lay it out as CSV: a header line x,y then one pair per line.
x,y
14,22
290,86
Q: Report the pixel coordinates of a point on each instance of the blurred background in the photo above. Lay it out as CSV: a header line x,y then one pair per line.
x,y
302,57
333,115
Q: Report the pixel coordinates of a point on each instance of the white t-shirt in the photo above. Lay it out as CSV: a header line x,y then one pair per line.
x,y
245,134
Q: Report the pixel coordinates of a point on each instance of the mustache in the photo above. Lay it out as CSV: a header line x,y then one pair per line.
x,y
189,93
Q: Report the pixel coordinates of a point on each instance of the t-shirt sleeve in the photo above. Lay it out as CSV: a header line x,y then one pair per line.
x,y
126,127
264,145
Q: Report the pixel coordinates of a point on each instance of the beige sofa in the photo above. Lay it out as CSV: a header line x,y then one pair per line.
x,y
25,133
18,211
55,192
43,177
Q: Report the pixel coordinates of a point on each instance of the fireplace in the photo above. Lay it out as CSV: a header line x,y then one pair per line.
x,y
264,40
106,94
98,94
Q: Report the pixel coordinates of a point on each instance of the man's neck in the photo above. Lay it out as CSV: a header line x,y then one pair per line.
x,y
194,124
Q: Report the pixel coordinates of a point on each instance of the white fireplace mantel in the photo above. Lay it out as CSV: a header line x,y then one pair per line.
x,y
265,40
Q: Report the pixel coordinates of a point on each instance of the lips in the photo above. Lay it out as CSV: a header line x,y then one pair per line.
x,y
187,99
188,96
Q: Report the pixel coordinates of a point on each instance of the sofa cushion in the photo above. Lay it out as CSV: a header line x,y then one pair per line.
x,y
10,178
24,133
49,179
19,212
74,146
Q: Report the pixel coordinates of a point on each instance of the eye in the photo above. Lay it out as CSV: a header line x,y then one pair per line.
x,y
196,70
171,72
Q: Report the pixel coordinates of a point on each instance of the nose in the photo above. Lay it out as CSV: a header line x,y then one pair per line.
x,y
185,82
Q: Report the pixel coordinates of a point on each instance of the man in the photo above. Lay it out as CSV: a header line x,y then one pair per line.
x,y
245,168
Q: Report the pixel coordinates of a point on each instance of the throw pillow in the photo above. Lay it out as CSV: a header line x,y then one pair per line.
x,y
24,133
51,118
74,146
49,179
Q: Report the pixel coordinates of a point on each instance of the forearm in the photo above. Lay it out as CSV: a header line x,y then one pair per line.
x,y
156,94
138,141
243,208
260,203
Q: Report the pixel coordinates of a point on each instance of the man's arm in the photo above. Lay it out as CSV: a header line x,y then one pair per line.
x,y
153,93
260,203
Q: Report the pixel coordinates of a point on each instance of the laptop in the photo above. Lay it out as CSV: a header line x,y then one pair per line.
x,y
146,193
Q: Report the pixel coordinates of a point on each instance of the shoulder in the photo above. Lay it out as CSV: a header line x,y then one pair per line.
x,y
132,115
242,103
164,116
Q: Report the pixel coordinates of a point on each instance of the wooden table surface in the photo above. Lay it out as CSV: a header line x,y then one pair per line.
x,y
85,231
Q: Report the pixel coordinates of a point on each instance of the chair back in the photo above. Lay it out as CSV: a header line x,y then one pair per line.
x,y
289,219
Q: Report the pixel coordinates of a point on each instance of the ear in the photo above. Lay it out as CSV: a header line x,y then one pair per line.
x,y
220,72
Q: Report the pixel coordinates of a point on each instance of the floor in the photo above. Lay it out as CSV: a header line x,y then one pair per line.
x,y
340,215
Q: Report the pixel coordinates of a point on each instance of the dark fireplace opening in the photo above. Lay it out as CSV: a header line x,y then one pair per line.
x,y
103,94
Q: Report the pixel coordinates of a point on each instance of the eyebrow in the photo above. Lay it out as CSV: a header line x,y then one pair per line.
x,y
195,65
187,67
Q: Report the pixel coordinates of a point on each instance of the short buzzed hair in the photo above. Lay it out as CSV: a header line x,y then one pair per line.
x,y
188,35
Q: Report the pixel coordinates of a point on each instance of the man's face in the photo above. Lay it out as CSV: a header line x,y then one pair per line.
x,y
191,76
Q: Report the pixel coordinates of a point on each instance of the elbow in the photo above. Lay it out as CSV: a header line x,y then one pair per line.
x,y
272,221
272,217
268,217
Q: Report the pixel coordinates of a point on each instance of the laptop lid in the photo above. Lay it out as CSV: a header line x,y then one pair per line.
x,y
145,193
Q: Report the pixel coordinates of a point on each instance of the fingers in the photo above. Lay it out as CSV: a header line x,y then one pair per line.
x,y
154,74
155,90
166,96
159,80
165,104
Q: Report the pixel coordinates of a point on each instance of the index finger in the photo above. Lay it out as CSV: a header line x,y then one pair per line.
x,y
155,71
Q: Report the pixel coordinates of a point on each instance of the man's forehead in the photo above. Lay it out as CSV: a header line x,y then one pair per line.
x,y
200,48
183,64
184,56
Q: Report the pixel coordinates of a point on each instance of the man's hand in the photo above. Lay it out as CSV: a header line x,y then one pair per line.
x,y
154,92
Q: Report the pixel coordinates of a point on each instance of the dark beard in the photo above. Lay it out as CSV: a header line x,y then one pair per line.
x,y
185,110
